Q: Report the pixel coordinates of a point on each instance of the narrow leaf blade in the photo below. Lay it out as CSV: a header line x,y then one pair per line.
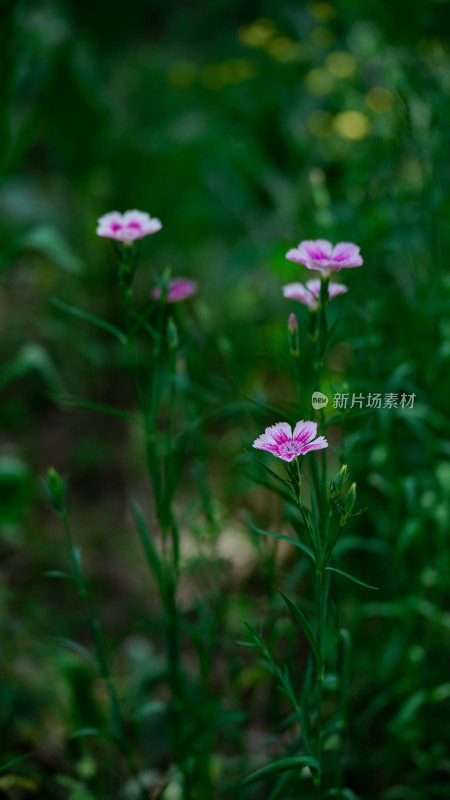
x,y
84,315
282,765
351,578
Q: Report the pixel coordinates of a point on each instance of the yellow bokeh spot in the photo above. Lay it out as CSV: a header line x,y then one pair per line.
x,y
352,125
242,69
320,124
181,74
380,100
319,81
283,49
322,37
341,64
213,76
258,33
322,12
237,70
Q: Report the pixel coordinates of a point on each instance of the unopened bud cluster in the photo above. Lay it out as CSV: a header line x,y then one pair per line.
x,y
346,501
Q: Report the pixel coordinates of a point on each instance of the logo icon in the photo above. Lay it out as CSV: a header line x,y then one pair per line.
x,y
319,400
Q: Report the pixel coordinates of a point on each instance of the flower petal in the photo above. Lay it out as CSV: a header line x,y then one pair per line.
x,y
318,444
295,255
300,293
335,289
178,289
280,433
304,432
313,286
346,254
317,250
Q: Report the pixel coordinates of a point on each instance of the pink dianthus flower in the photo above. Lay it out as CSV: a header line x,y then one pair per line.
x,y
178,289
127,227
321,255
282,443
309,295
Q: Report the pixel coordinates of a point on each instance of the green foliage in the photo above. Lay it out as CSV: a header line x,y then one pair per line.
x,y
231,123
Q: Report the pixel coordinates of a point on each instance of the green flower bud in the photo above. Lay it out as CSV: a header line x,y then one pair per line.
x,y
56,489
349,502
338,481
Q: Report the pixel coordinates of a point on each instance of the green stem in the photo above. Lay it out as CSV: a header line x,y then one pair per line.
x,y
115,709
320,602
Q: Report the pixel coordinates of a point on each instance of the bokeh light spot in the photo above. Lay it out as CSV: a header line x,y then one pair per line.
x,y
319,82
320,124
352,125
258,33
380,100
323,37
283,49
341,64
181,74
322,12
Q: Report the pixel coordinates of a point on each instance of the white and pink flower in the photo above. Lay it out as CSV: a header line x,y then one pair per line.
x,y
309,295
127,227
282,443
178,289
321,255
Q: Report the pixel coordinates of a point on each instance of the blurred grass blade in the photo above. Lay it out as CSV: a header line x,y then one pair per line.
x,y
57,573
80,650
151,554
307,630
303,713
78,402
351,578
84,315
282,766
14,761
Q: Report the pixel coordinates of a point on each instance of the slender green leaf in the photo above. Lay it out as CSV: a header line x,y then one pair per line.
x,y
270,472
153,707
56,573
80,650
303,713
78,402
283,765
82,732
263,482
266,407
85,732
295,542
150,551
84,315
351,578
307,630
14,761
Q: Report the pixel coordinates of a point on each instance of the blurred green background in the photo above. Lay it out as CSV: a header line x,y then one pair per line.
x,y
244,127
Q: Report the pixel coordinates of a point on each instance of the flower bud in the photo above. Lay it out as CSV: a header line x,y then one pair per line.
x,y
292,324
349,502
55,488
293,335
338,481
